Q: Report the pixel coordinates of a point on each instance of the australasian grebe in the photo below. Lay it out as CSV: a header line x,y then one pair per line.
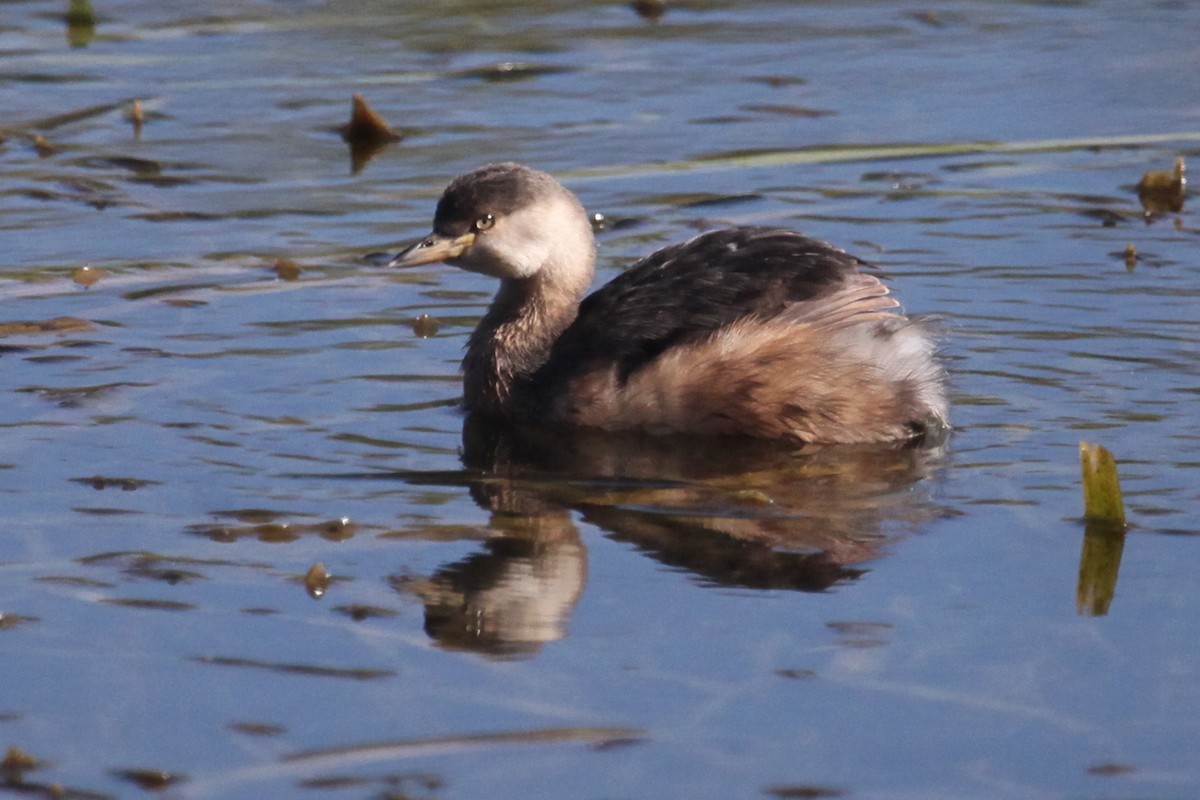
x,y
746,331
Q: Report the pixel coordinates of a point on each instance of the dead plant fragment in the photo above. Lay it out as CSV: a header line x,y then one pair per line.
x,y
425,325
43,147
285,269
650,9
16,762
316,581
367,133
152,780
87,276
1131,256
1163,191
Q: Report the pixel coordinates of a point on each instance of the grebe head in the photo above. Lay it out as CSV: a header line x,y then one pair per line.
x,y
510,222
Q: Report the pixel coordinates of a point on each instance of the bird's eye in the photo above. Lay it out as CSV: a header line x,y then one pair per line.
x,y
485,222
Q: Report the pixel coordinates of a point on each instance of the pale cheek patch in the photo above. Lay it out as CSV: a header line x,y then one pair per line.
x,y
545,235
522,240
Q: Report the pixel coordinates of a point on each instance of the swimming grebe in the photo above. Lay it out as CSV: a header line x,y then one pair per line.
x,y
746,331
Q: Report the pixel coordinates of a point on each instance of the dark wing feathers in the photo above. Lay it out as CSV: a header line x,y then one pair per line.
x,y
687,291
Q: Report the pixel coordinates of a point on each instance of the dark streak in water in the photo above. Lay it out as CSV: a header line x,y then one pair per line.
x,y
511,71
782,109
155,605
136,560
178,216
99,511
173,288
138,166
359,612
73,580
59,120
358,674
151,780
806,791
257,728
719,200
75,396
414,477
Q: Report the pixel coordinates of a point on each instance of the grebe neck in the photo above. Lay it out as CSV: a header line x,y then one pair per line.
x,y
514,339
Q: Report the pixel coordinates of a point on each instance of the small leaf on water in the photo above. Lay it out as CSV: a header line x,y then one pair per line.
x,y
425,326
87,276
285,269
366,126
153,780
366,133
316,581
1161,191
337,530
43,147
17,761
650,9
1131,256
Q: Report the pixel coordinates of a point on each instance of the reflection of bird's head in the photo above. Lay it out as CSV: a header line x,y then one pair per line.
x,y
507,601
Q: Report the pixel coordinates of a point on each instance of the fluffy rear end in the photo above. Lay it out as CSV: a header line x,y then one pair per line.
x,y
845,369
